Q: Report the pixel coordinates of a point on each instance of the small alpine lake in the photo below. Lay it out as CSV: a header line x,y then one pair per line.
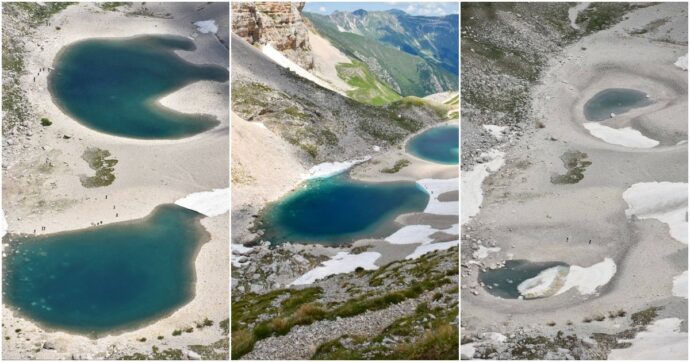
x,y
105,278
438,144
114,85
337,209
614,101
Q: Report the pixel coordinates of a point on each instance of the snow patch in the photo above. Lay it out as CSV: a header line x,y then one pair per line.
x,y
662,340
342,262
680,285
328,169
467,351
209,203
682,62
412,234
206,26
3,224
545,284
572,14
436,187
588,279
497,131
472,194
427,248
483,252
627,136
284,62
664,201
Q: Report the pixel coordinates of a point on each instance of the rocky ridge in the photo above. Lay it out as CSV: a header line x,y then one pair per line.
x,y
278,24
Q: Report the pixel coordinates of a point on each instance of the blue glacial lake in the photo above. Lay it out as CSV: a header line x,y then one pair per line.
x,y
614,100
504,281
106,278
113,85
338,210
438,144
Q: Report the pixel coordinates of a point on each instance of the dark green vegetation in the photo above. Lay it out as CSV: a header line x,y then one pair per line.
x,y
575,162
408,72
368,89
106,278
427,334
399,165
112,6
45,122
599,16
112,85
217,350
100,162
258,316
41,13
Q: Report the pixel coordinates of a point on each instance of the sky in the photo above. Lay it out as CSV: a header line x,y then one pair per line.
x,y
413,8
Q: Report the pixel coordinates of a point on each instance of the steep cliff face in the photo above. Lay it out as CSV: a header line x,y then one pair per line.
x,y
278,24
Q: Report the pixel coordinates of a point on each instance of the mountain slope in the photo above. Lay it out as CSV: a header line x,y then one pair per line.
x,y
405,73
433,38
324,124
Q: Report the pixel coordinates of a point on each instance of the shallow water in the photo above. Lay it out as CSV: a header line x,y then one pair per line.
x,y
106,278
438,144
614,100
504,281
113,85
338,210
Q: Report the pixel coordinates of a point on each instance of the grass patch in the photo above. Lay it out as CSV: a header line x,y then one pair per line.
x,y
399,165
367,88
100,162
45,122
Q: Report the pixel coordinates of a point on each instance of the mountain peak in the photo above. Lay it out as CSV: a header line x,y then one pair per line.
x,y
360,12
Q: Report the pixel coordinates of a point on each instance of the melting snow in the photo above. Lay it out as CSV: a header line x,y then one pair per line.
x,y
238,251
412,234
284,62
626,136
427,248
483,252
680,285
209,203
664,201
206,26
3,224
472,194
436,187
661,340
545,284
588,279
682,62
342,262
328,169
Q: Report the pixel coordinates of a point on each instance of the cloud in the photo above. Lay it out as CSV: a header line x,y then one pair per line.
x,y
428,9
322,9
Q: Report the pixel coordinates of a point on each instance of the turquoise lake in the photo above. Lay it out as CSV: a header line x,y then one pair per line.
x,y
504,281
113,85
614,100
437,144
106,278
337,210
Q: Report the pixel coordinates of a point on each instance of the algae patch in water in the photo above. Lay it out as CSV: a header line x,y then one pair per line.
x,y
100,162
575,162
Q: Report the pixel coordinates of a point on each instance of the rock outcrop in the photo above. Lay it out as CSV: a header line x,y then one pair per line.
x,y
278,24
